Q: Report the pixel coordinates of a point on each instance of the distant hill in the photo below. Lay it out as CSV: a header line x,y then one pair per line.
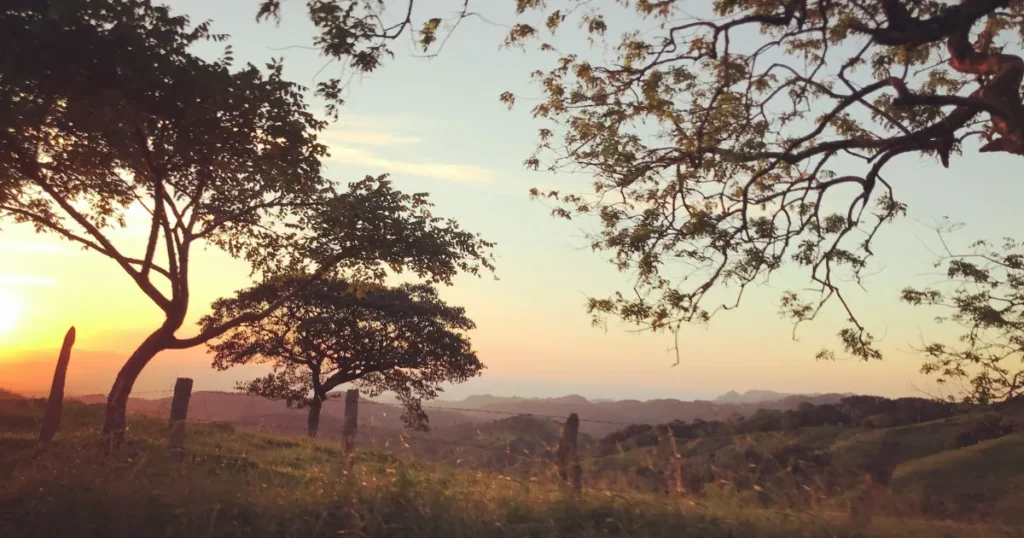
x,y
598,417
751,396
254,412
758,396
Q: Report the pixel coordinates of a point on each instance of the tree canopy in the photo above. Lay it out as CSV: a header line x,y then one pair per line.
x,y
758,133
380,339
105,108
729,143
985,297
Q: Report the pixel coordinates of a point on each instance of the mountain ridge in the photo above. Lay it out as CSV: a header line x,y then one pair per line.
x,y
598,417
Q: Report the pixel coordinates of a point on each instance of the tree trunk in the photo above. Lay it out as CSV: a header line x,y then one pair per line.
x,y
314,415
55,404
117,401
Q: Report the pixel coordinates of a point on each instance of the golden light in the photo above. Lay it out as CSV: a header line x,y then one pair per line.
x,y
11,310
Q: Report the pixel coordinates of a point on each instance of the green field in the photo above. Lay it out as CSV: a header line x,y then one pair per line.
x,y
239,484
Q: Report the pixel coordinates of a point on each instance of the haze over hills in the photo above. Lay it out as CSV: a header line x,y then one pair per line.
x,y
755,396
599,416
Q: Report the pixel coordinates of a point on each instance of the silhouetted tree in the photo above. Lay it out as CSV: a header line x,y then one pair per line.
x,y
405,340
104,108
359,34
985,297
715,138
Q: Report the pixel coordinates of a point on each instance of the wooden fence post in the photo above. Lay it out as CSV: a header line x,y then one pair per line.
x,y
179,413
55,404
348,429
670,460
568,458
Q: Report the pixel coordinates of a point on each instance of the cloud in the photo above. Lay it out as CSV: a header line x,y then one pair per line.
x,y
26,280
377,122
368,138
36,249
432,170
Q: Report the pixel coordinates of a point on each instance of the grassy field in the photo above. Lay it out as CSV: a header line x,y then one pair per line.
x,y
242,484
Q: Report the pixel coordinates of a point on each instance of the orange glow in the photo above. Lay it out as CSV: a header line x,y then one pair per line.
x,y
12,308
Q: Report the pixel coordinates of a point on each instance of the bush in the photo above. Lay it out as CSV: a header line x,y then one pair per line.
x,y
881,420
990,426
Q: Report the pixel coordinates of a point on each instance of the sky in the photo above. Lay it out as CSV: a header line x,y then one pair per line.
x,y
436,125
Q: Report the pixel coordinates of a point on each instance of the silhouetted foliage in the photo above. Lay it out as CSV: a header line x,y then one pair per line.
x,y
985,296
105,109
715,137
864,411
360,35
990,426
404,340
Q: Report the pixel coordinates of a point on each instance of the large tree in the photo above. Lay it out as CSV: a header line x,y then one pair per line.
x,y
754,134
714,137
380,339
103,108
985,298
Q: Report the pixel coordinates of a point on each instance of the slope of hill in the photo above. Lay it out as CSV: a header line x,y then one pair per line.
x,y
254,412
750,396
964,467
598,417
603,417
236,483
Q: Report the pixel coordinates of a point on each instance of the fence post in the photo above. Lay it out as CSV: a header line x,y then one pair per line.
x,y
670,460
179,413
568,458
55,403
348,429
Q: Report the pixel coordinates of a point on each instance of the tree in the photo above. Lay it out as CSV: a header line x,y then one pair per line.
x,y
401,339
985,296
358,34
104,108
727,145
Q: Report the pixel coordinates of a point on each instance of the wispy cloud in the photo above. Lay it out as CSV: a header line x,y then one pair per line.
x,y
427,169
368,138
25,280
36,249
377,123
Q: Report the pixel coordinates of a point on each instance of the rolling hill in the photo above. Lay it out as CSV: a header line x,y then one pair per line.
x,y
235,483
598,417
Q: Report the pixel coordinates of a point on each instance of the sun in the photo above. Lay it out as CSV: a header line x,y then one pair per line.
x,y
11,310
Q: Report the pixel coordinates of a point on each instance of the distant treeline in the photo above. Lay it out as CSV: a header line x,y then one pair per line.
x,y
859,411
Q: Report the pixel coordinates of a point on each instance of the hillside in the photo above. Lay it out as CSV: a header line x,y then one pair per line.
x,y
236,483
628,411
254,412
964,467
600,417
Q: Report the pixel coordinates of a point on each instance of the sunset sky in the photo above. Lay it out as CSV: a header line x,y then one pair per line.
x,y
436,125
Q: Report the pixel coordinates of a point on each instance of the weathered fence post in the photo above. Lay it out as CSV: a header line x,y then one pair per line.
x,y
348,429
55,404
179,413
568,458
670,460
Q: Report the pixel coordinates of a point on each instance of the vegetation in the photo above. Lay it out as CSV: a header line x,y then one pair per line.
x,y
986,299
855,411
825,467
754,134
404,340
235,483
105,108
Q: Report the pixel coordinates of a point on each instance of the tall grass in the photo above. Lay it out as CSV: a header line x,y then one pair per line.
x,y
237,484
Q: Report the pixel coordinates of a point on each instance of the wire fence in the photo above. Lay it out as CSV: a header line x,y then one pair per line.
x,y
515,453
465,410
494,450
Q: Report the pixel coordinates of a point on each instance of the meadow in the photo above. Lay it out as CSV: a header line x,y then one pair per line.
x,y
236,483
